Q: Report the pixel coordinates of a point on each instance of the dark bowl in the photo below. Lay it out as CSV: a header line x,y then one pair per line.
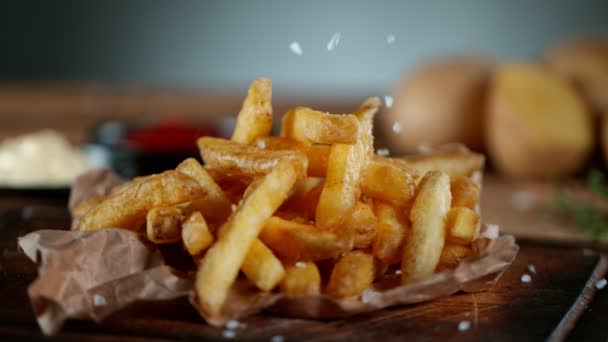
x,y
144,147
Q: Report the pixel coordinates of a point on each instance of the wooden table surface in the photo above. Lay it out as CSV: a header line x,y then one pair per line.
x,y
553,304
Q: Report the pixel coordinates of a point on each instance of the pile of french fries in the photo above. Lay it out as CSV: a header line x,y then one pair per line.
x,y
312,211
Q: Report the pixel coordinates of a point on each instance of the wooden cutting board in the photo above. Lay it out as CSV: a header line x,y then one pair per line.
x,y
523,208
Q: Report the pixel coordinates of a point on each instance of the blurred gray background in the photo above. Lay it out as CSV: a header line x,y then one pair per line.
x,y
225,44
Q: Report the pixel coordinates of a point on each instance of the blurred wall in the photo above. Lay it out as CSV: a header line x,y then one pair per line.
x,y
225,44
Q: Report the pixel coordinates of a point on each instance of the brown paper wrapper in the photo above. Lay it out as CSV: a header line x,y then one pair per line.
x,y
89,275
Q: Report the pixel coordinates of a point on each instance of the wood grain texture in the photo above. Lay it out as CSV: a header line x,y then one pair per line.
x,y
511,310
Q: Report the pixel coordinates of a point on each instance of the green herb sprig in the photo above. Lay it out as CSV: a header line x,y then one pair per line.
x,y
586,216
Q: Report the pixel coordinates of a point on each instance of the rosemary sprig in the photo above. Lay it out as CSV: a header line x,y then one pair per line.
x,y
586,216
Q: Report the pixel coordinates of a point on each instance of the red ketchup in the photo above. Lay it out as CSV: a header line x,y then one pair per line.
x,y
168,136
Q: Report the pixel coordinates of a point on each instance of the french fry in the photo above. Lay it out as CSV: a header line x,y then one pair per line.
x,y
294,241
255,118
365,115
221,263
163,225
237,160
311,126
462,225
305,204
451,255
279,143
428,217
387,182
83,207
262,267
465,192
302,278
364,224
391,234
351,275
195,234
455,161
215,206
128,208
318,157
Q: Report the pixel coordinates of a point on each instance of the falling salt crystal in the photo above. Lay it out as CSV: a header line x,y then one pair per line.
x,y
522,200
300,264
261,144
532,269
587,252
368,296
464,325
296,48
383,152
334,41
99,300
232,324
277,338
398,272
390,39
600,284
397,127
229,334
525,278
388,101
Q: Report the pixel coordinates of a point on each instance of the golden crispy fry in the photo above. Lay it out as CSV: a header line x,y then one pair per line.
x,y
428,217
318,157
351,275
221,263
293,241
364,223
83,207
303,186
462,225
311,126
465,192
195,234
163,225
455,161
236,159
128,208
391,236
387,182
365,115
279,143
381,268
215,207
302,278
261,267
305,204
452,254
255,118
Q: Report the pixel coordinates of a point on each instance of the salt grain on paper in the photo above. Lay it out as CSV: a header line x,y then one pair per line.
x,y
296,48
388,101
525,278
300,264
229,334
390,39
232,324
99,300
600,284
464,325
397,127
334,41
277,338
532,269
383,152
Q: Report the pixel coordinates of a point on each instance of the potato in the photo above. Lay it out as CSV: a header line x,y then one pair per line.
x,y
465,192
195,234
388,183
351,275
311,126
302,278
538,126
584,61
262,267
391,235
428,217
451,255
462,225
454,159
255,118
363,223
439,103
163,225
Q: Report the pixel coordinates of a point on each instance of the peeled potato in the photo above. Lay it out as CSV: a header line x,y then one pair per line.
x,y
585,62
439,103
537,124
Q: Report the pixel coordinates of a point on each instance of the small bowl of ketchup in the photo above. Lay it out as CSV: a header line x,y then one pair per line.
x,y
146,147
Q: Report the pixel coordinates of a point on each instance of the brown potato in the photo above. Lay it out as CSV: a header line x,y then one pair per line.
x,y
351,275
440,102
128,208
163,225
538,126
255,118
301,278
